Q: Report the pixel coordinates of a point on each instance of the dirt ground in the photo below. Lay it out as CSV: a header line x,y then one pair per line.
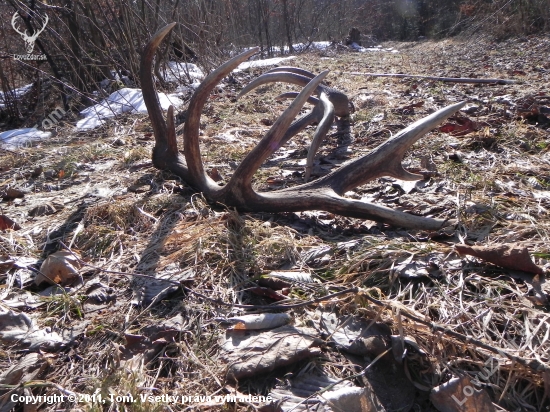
x,y
156,272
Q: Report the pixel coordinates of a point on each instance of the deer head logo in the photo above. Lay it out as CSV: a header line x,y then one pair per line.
x,y
29,40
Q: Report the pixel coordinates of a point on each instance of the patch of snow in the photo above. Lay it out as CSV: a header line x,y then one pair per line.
x,y
378,48
323,45
261,63
89,123
316,45
122,101
21,91
21,137
175,71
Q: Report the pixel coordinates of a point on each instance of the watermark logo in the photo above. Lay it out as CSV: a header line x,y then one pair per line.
x,y
28,39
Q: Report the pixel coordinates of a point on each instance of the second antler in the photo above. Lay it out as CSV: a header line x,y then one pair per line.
x,y
324,193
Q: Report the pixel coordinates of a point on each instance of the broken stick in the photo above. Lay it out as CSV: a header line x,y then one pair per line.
x,y
439,79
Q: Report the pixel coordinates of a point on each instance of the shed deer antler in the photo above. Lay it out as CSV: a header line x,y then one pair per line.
x,y
322,194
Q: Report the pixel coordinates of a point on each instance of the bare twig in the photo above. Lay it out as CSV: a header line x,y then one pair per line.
x,y
438,79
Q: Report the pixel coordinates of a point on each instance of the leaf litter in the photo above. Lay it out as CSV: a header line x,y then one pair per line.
x,y
162,267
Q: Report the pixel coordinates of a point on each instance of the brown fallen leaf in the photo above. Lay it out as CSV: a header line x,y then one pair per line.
x,y
505,256
29,368
459,395
462,127
49,208
19,329
7,223
215,175
319,392
139,351
11,193
249,353
59,268
267,292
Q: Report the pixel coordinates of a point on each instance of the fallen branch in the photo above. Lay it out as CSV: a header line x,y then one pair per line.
x,y
438,79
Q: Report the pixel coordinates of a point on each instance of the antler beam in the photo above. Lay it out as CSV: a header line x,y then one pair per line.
x,y
322,194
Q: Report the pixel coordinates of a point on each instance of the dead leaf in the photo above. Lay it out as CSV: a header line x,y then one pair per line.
x,y
386,377
19,328
29,368
24,370
505,256
408,109
11,193
46,209
98,294
59,268
7,223
352,334
215,175
37,172
266,292
459,395
273,283
461,127
139,350
306,394
250,353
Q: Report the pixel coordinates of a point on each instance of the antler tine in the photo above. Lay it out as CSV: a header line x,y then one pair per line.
x,y
386,159
149,93
320,133
191,129
364,210
291,69
165,153
338,99
292,95
313,116
241,180
286,77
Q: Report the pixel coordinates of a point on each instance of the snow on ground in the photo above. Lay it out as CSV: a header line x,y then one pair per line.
x,y
21,137
176,71
261,63
323,45
122,101
378,48
18,93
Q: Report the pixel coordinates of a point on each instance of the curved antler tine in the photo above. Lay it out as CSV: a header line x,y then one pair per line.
x,y
292,95
285,77
241,179
290,69
365,210
386,159
313,116
171,132
320,132
149,94
191,128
